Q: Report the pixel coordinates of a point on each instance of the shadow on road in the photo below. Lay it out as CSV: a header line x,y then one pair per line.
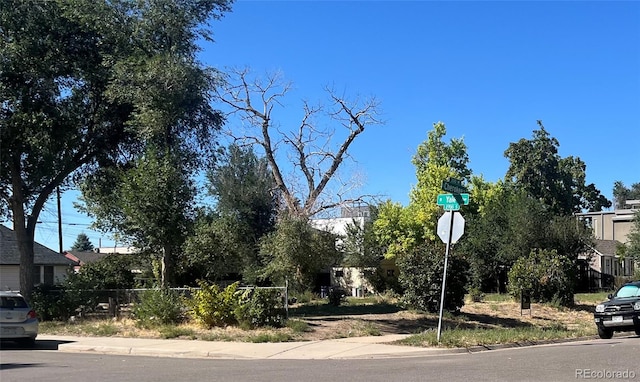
x,y
39,345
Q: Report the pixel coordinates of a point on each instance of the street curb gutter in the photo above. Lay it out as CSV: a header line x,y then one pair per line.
x,y
476,349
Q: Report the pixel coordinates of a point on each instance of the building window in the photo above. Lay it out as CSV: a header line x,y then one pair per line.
x,y
340,273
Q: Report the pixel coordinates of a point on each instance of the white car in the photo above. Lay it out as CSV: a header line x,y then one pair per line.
x,y
18,322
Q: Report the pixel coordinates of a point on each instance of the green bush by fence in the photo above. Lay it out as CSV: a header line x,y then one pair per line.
x,y
158,307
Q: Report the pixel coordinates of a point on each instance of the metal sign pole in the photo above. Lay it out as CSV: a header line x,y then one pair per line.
x,y
444,275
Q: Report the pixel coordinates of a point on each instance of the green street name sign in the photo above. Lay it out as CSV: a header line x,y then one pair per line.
x,y
452,202
454,186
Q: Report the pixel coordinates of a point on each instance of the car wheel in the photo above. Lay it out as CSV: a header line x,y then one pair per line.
x,y
605,333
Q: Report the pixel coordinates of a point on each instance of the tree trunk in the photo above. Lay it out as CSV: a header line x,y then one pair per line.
x,y
23,229
166,273
25,247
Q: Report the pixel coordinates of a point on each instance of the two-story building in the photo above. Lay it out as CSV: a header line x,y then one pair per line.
x,y
611,230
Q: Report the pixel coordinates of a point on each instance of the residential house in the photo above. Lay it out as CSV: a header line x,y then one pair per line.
x,y
83,257
351,279
599,267
611,229
49,266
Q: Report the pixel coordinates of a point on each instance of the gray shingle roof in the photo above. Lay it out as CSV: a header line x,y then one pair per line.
x,y
607,247
9,254
88,256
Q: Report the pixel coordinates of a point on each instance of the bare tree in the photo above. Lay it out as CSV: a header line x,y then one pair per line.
x,y
310,145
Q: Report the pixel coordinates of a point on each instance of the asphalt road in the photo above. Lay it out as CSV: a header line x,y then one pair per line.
x,y
616,359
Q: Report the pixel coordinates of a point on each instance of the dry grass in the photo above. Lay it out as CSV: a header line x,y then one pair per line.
x,y
321,322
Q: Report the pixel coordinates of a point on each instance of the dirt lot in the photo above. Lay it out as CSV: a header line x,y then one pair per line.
x,y
319,322
473,315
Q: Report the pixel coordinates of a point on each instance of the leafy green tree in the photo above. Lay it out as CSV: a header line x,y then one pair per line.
x,y
243,186
360,245
509,227
409,234
296,252
559,183
421,278
83,84
435,161
82,243
400,228
56,118
633,241
621,193
396,229
215,250
111,272
245,192
151,204
546,274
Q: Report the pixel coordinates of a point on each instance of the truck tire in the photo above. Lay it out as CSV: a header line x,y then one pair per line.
x,y
605,333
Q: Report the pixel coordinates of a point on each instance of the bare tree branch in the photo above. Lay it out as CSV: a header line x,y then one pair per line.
x,y
310,143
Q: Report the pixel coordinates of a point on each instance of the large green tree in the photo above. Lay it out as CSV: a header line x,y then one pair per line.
x,y
536,167
243,186
400,228
83,84
246,205
509,226
151,205
297,252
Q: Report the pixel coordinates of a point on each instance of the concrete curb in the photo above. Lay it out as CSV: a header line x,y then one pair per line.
x,y
476,349
345,348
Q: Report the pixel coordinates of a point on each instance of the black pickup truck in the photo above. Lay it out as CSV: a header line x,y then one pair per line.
x,y
621,313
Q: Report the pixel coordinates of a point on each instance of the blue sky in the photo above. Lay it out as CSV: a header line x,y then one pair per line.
x,y
488,70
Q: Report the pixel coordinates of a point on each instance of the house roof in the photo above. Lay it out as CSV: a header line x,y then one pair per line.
x,y
86,257
606,247
9,254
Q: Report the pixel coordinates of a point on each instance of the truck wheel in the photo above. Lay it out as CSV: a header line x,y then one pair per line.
x,y
605,333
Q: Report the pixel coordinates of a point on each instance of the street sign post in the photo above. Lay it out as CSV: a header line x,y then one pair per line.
x,y
454,186
452,202
450,229
450,226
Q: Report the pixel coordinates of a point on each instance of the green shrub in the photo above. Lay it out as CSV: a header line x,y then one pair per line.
x,y
53,302
336,296
260,307
211,306
158,307
421,272
476,294
172,331
304,297
547,275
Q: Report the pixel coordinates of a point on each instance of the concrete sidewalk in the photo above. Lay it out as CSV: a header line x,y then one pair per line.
x,y
344,348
